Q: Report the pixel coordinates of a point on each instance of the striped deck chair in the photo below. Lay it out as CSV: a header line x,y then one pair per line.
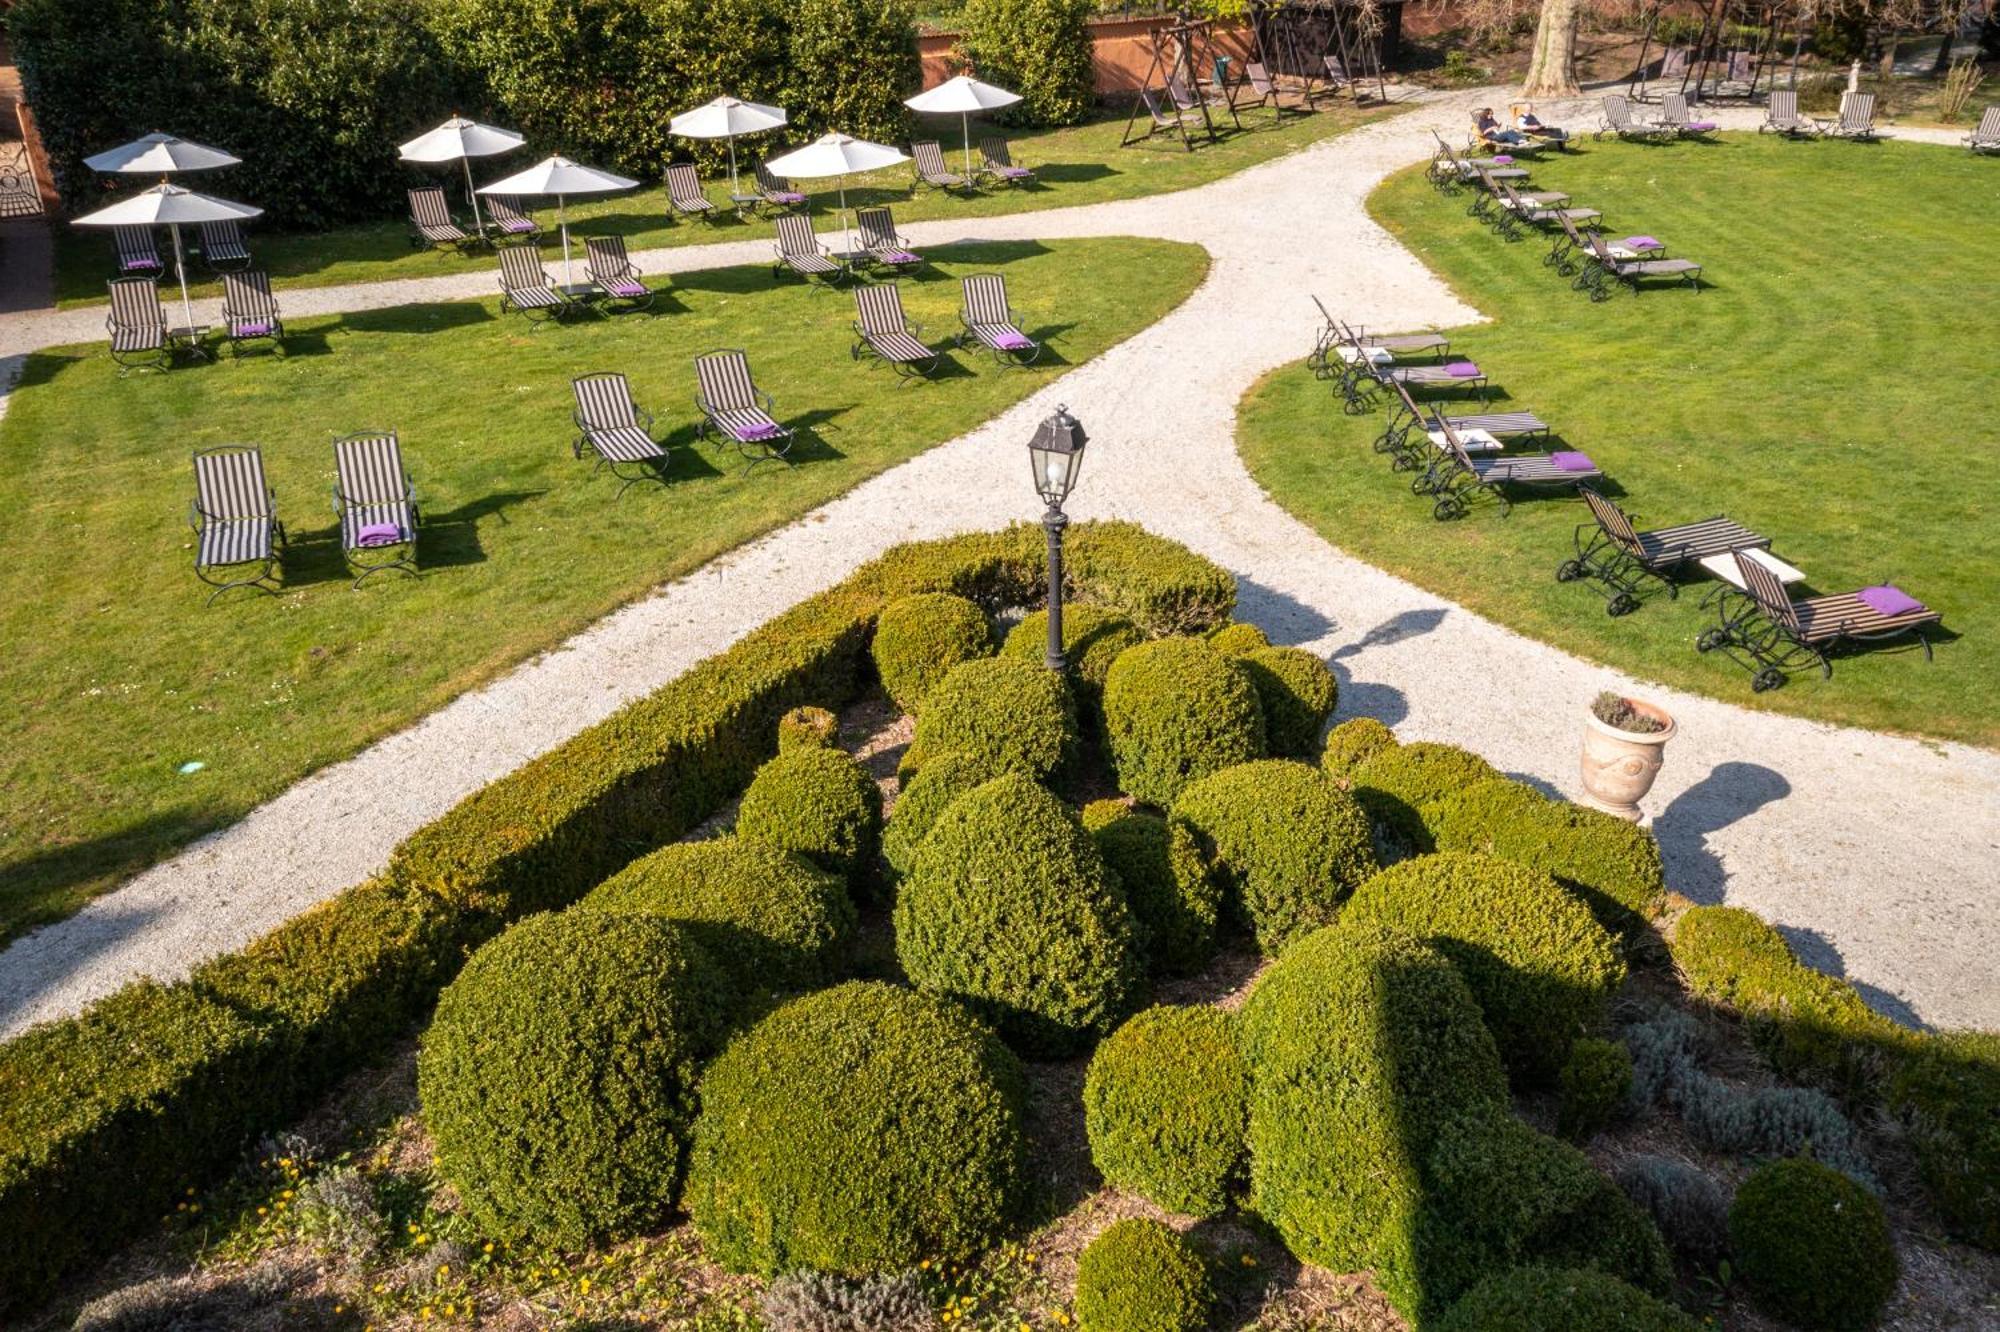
x,y
988,319
1604,266
1675,115
431,224
137,325
1620,120
376,505
1857,119
927,161
882,330
612,269
617,430
1985,138
250,311
1572,256
222,247
1609,550
685,196
776,193
1782,117
800,251
881,243
1777,633
527,289
1456,478
235,520
508,220
137,256
740,412
997,161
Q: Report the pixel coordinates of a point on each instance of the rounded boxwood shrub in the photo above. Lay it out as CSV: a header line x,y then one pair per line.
x,y
1558,1299
1176,906
858,1130
771,919
1350,743
1018,716
918,639
1093,636
1596,1081
1396,785
1167,1105
1177,710
1538,962
819,803
558,1075
1298,694
1009,907
928,794
1282,843
1813,1246
1948,1092
1140,1276
807,727
1237,639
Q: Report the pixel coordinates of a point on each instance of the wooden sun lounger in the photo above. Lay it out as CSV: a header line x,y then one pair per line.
x,y
1760,620
1609,550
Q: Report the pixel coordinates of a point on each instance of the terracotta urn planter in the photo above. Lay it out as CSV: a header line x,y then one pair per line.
x,y
1619,765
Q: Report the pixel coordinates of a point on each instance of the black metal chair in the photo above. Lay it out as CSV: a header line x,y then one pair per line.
x,y
740,412
1609,550
616,429
882,330
250,311
1760,620
235,520
376,504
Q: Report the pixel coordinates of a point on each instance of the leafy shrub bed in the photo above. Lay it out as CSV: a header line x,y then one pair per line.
x,y
926,795
1166,1104
1014,714
816,802
1350,743
1298,693
1397,783
1093,636
919,639
1813,1246
1139,1276
1176,711
1555,1299
1175,904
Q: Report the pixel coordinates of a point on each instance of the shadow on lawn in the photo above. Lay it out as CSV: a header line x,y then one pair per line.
x,y
49,873
427,318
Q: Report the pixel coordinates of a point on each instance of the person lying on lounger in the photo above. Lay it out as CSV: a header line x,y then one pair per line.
x,y
1530,124
1492,132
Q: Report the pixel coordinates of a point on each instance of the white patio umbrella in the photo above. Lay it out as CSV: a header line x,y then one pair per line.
x,y
561,177
174,207
460,140
836,154
961,96
725,118
158,154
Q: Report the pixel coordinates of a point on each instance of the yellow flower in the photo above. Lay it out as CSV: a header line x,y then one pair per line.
x,y
1249,1260
444,1270
488,1248
584,1285
263,1211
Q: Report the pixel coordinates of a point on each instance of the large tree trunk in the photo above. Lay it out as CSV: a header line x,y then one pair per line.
x,y
1552,68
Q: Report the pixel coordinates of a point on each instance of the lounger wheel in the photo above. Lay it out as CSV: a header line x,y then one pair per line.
x,y
1569,571
1419,484
1767,679
1708,640
1622,604
1447,508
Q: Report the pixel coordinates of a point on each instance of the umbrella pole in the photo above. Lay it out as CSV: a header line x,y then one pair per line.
x,y
732,166
180,267
965,128
562,215
478,225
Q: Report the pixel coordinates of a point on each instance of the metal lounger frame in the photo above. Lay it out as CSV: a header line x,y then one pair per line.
x,y
728,399
604,409
1610,551
1761,621
370,486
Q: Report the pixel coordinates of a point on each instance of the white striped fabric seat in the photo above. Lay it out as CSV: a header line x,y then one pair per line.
x,y
137,339
724,383
222,242
541,298
628,443
898,347
604,401
432,218
136,251
684,190
241,542
745,424
884,328
372,486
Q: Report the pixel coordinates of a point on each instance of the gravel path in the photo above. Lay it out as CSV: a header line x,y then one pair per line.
x,y
1875,854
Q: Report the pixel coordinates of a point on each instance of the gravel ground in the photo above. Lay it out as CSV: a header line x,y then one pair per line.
x,y
1874,853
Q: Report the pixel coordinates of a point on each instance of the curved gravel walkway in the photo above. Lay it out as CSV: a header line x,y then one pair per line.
x,y
1876,854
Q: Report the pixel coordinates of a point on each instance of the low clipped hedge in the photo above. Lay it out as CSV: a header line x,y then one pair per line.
x,y
1019,717
1813,1246
1397,785
1561,1299
1596,1083
1175,711
1282,845
1176,906
558,1077
1540,966
919,639
806,727
817,803
1140,1276
1351,743
1166,1105
858,1130
1093,636
943,779
1948,1094
1298,694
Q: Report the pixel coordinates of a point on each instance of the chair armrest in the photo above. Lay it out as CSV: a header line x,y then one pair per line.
x,y
913,328
640,413
195,515
763,399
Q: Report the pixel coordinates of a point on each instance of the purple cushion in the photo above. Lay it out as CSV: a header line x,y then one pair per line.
x,y
1013,341
517,226
901,257
1573,462
1462,370
1641,243
1703,126
1503,159
253,328
751,434
131,264
788,196
1888,599
378,534
1014,173
625,287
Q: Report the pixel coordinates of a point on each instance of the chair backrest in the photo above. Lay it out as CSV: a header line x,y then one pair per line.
x,y
502,209
1857,110
880,309
1409,403
1765,589
427,207
1598,248
1784,106
1617,110
994,150
603,400
1989,127
368,468
1610,518
723,377
1259,78
136,243
768,181
929,157
684,185
224,234
795,235
986,299
1152,104
1453,443
229,483
521,267
605,257
1674,108
247,295
135,303
1336,68
877,227
1505,189
1177,90
1674,61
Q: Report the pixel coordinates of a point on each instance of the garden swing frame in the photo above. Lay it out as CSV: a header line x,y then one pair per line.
x,y
1174,60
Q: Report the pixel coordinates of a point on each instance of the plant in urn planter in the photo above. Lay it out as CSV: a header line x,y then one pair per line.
x,y
1623,744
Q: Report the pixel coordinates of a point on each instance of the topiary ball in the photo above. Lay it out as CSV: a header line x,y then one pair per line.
x,y
928,794
1176,710
1093,636
1282,844
918,639
1596,1081
1813,1246
1016,716
1538,962
858,1130
1237,639
819,803
1139,1276
1556,1299
1397,784
807,727
1010,908
771,919
1167,1107
557,1077
1298,694
1351,742
1175,905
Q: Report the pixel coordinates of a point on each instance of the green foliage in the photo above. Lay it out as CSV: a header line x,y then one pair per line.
x,y
1540,966
558,1077
805,727
1139,1276
1282,845
1552,1299
1396,785
1596,1082
1813,1246
1175,903
1039,48
918,639
1298,693
1092,639
771,919
849,64
1176,711
1237,639
1009,907
858,1130
1016,716
1167,1104
929,793
819,803
1949,1093
1689,1206
1351,743
1165,587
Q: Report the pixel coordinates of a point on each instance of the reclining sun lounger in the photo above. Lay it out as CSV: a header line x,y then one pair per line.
x,y
376,503
800,251
1456,477
250,311
431,224
882,330
737,409
235,520
1609,550
617,430
611,268
1759,618
989,320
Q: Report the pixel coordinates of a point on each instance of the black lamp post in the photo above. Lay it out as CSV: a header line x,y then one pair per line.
x,y
1057,454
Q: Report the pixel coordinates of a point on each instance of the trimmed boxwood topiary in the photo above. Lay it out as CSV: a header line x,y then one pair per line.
x,y
1282,843
1093,636
1017,716
1237,639
557,1078
1175,905
1813,1246
1010,908
1140,1276
858,1130
1596,1083
1949,1092
1397,784
1176,710
1538,962
806,726
928,794
771,919
1350,743
1298,694
1167,1104
819,803
919,639
1561,1299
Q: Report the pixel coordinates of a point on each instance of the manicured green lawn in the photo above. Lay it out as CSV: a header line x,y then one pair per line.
x,y
116,674
1834,388
1081,165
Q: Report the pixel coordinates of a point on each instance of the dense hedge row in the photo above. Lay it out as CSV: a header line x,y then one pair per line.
x,y
1039,48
